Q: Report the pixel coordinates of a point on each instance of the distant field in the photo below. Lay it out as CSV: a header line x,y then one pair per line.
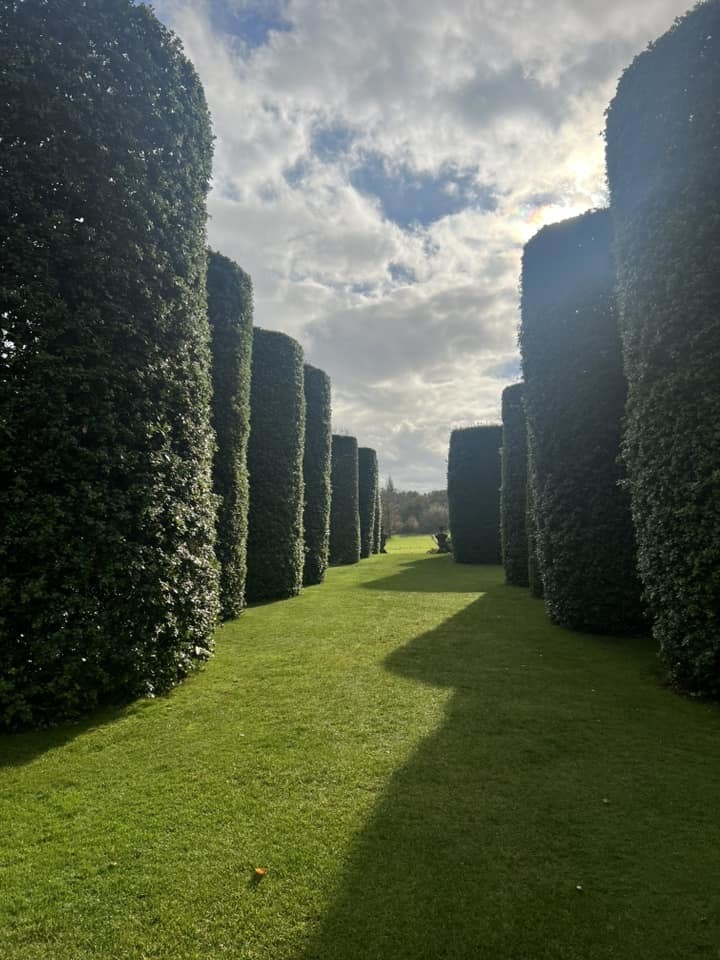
x,y
422,765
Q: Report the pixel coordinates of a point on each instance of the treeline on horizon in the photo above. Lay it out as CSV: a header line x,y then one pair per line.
x,y
604,479
410,512
163,462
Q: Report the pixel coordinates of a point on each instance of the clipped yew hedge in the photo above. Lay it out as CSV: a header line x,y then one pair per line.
x,y
275,551
474,493
574,400
663,143
367,498
108,584
377,527
513,487
535,582
316,473
230,311
344,502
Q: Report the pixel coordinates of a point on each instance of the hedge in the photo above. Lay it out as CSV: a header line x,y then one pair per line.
x,y
663,142
108,583
574,400
344,502
367,498
230,310
474,494
377,528
513,487
316,473
535,582
275,462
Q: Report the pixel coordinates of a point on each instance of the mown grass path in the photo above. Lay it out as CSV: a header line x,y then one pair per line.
x,y
424,767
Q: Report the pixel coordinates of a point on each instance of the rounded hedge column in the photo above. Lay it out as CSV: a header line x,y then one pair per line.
x,y
108,583
574,400
275,553
474,494
535,582
344,504
316,471
663,144
377,528
230,310
513,488
368,489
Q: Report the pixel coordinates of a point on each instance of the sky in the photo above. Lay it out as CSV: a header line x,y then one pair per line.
x,y
379,165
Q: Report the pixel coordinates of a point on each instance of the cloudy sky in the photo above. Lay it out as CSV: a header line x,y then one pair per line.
x,y
379,165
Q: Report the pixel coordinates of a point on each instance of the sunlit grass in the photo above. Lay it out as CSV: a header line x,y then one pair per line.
x,y
421,764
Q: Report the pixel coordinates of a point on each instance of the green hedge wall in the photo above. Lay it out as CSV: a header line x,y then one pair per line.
x,y
663,143
574,400
108,583
377,527
344,502
316,472
535,582
513,487
275,553
367,498
474,494
230,310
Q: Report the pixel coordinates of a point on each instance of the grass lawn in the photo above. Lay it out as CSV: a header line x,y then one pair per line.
x,y
424,767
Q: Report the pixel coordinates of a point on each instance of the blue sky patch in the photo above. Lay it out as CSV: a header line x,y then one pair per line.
x,y
401,274
411,198
329,143
505,370
295,174
251,21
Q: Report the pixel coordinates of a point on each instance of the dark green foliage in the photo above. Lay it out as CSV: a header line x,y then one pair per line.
x,y
474,494
574,400
535,582
275,552
108,583
513,488
377,528
344,502
316,471
367,502
407,511
663,144
230,310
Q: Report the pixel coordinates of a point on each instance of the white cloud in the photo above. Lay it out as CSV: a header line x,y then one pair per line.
x,y
512,92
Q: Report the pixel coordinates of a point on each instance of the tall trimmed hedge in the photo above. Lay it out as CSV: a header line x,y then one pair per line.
x,y
230,310
275,552
474,494
367,500
108,584
377,528
344,502
316,472
513,487
574,400
535,582
663,143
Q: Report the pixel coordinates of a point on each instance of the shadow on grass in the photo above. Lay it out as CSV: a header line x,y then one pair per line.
x,y
431,575
17,749
566,808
